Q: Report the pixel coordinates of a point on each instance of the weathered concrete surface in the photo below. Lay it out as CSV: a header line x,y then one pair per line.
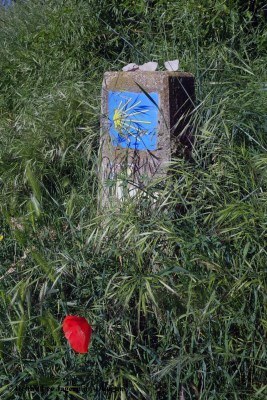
x,y
176,100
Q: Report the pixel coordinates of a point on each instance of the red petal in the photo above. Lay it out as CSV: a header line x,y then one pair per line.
x,y
78,333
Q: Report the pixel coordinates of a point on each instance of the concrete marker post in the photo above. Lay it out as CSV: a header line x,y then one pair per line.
x,y
143,114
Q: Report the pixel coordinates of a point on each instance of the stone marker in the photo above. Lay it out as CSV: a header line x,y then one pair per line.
x,y
143,113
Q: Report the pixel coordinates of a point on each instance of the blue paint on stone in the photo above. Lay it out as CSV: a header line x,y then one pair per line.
x,y
133,119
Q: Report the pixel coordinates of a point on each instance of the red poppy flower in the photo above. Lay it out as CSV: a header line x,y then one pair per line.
x,y
78,333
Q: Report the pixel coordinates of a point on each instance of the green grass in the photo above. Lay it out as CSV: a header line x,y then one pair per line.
x,y
176,293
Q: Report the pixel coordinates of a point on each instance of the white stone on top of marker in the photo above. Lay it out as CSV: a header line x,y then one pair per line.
x,y
130,67
172,65
149,66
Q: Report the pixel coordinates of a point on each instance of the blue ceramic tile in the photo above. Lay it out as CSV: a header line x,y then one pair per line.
x,y
133,119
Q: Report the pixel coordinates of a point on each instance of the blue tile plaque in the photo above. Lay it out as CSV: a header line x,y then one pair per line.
x,y
133,120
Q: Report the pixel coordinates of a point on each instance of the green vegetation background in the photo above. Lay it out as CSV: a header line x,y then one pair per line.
x,y
176,293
